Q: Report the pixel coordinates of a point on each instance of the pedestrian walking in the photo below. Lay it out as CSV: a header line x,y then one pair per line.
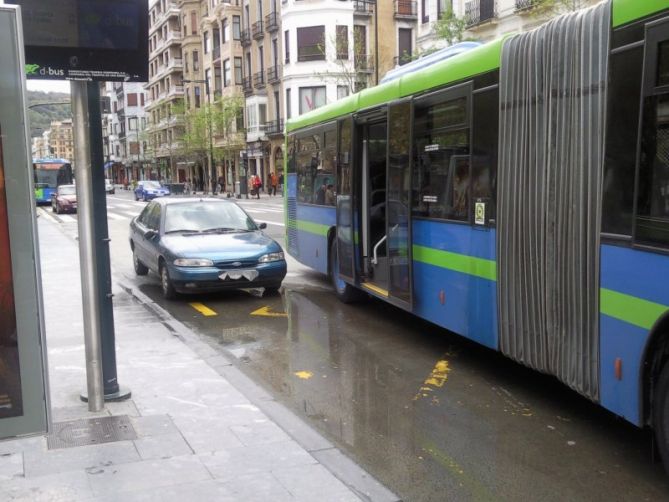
x,y
274,181
281,183
257,184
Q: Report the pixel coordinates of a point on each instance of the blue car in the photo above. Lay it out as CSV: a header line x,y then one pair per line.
x,y
204,245
149,190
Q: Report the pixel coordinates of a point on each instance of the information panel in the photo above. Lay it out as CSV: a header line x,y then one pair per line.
x,y
86,39
23,382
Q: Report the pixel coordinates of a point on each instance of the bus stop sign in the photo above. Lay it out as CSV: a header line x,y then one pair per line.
x,y
92,40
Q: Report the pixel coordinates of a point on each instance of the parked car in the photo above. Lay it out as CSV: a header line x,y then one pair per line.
x,y
64,199
198,245
148,190
109,187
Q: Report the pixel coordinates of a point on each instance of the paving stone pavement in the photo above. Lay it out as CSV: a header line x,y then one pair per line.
x,y
204,430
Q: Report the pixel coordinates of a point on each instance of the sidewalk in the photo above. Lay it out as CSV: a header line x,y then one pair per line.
x,y
204,431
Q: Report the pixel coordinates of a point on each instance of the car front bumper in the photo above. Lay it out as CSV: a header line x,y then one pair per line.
x,y
200,279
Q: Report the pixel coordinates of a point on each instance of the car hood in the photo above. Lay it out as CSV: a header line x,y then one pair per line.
x,y
220,246
68,198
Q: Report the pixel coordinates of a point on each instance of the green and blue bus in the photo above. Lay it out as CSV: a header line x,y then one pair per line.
x,y
49,174
516,194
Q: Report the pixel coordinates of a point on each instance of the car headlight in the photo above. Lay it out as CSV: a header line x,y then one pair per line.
x,y
193,262
266,258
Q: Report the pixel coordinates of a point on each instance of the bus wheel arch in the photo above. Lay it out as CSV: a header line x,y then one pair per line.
x,y
655,358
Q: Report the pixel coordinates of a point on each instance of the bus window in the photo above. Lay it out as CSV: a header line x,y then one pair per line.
x,y
485,121
621,141
309,163
441,160
653,205
325,180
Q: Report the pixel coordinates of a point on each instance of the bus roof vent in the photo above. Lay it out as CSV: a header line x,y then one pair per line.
x,y
429,60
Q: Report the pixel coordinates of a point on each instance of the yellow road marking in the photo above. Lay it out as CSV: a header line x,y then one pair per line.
x,y
203,309
436,380
304,375
266,311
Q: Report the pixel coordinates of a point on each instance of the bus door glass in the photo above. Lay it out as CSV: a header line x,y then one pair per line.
x,y
344,199
652,213
398,228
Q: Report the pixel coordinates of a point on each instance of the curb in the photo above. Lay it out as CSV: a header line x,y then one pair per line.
x,y
324,452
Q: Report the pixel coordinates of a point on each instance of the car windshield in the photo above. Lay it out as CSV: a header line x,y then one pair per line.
x,y
151,184
67,190
206,216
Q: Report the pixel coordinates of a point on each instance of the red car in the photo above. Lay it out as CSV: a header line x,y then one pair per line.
x,y
64,200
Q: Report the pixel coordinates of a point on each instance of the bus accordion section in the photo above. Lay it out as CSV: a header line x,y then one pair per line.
x,y
48,175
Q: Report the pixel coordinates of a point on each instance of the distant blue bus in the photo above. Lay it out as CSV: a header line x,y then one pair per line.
x,y
48,175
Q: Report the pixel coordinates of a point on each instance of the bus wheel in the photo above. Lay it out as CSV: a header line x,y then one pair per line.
x,y
344,291
661,416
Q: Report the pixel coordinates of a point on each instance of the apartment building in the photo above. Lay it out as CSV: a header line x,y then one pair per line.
x,y
40,145
222,55
167,31
125,137
262,77
485,19
61,139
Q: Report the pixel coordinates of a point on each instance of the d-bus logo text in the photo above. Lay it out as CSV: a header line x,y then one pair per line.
x,y
48,71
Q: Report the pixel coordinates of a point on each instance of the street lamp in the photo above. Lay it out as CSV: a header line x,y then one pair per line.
x,y
209,124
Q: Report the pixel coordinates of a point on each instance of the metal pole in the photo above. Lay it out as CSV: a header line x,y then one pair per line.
x,y
89,283
211,137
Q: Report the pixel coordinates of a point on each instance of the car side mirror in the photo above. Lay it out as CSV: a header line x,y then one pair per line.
x,y
150,234
262,226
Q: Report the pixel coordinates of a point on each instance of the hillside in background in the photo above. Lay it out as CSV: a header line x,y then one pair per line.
x,y
41,116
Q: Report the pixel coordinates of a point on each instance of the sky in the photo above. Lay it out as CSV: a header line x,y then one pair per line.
x,y
49,85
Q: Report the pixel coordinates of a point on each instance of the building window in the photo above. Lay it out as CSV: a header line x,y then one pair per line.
x,y
311,43
342,42
286,44
405,42
217,78
238,71
236,27
205,40
207,76
424,13
132,99
196,61
197,96
311,98
225,30
193,23
342,91
226,73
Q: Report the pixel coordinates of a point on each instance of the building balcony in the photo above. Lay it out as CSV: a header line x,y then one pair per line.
x,y
173,37
274,74
255,132
245,38
480,11
363,7
271,22
311,53
274,128
259,80
257,30
247,85
406,9
363,63
176,91
524,5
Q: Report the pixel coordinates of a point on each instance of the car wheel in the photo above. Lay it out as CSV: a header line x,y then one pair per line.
x,y
53,207
344,291
144,198
136,198
169,293
272,290
113,192
140,268
57,208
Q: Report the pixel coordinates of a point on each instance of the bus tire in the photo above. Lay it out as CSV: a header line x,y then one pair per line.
x,y
661,416
344,291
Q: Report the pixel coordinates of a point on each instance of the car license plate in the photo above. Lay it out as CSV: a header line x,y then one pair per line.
x,y
238,274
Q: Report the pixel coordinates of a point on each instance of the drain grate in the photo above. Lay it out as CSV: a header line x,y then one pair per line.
x,y
90,431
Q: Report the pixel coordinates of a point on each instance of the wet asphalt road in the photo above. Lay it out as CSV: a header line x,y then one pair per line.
x,y
431,415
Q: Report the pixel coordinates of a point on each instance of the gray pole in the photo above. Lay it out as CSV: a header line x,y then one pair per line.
x,y
89,283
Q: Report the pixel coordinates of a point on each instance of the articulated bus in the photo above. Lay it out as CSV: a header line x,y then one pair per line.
x,y
516,194
49,174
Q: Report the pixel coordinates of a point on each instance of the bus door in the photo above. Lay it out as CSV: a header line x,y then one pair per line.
x,y
345,214
372,155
